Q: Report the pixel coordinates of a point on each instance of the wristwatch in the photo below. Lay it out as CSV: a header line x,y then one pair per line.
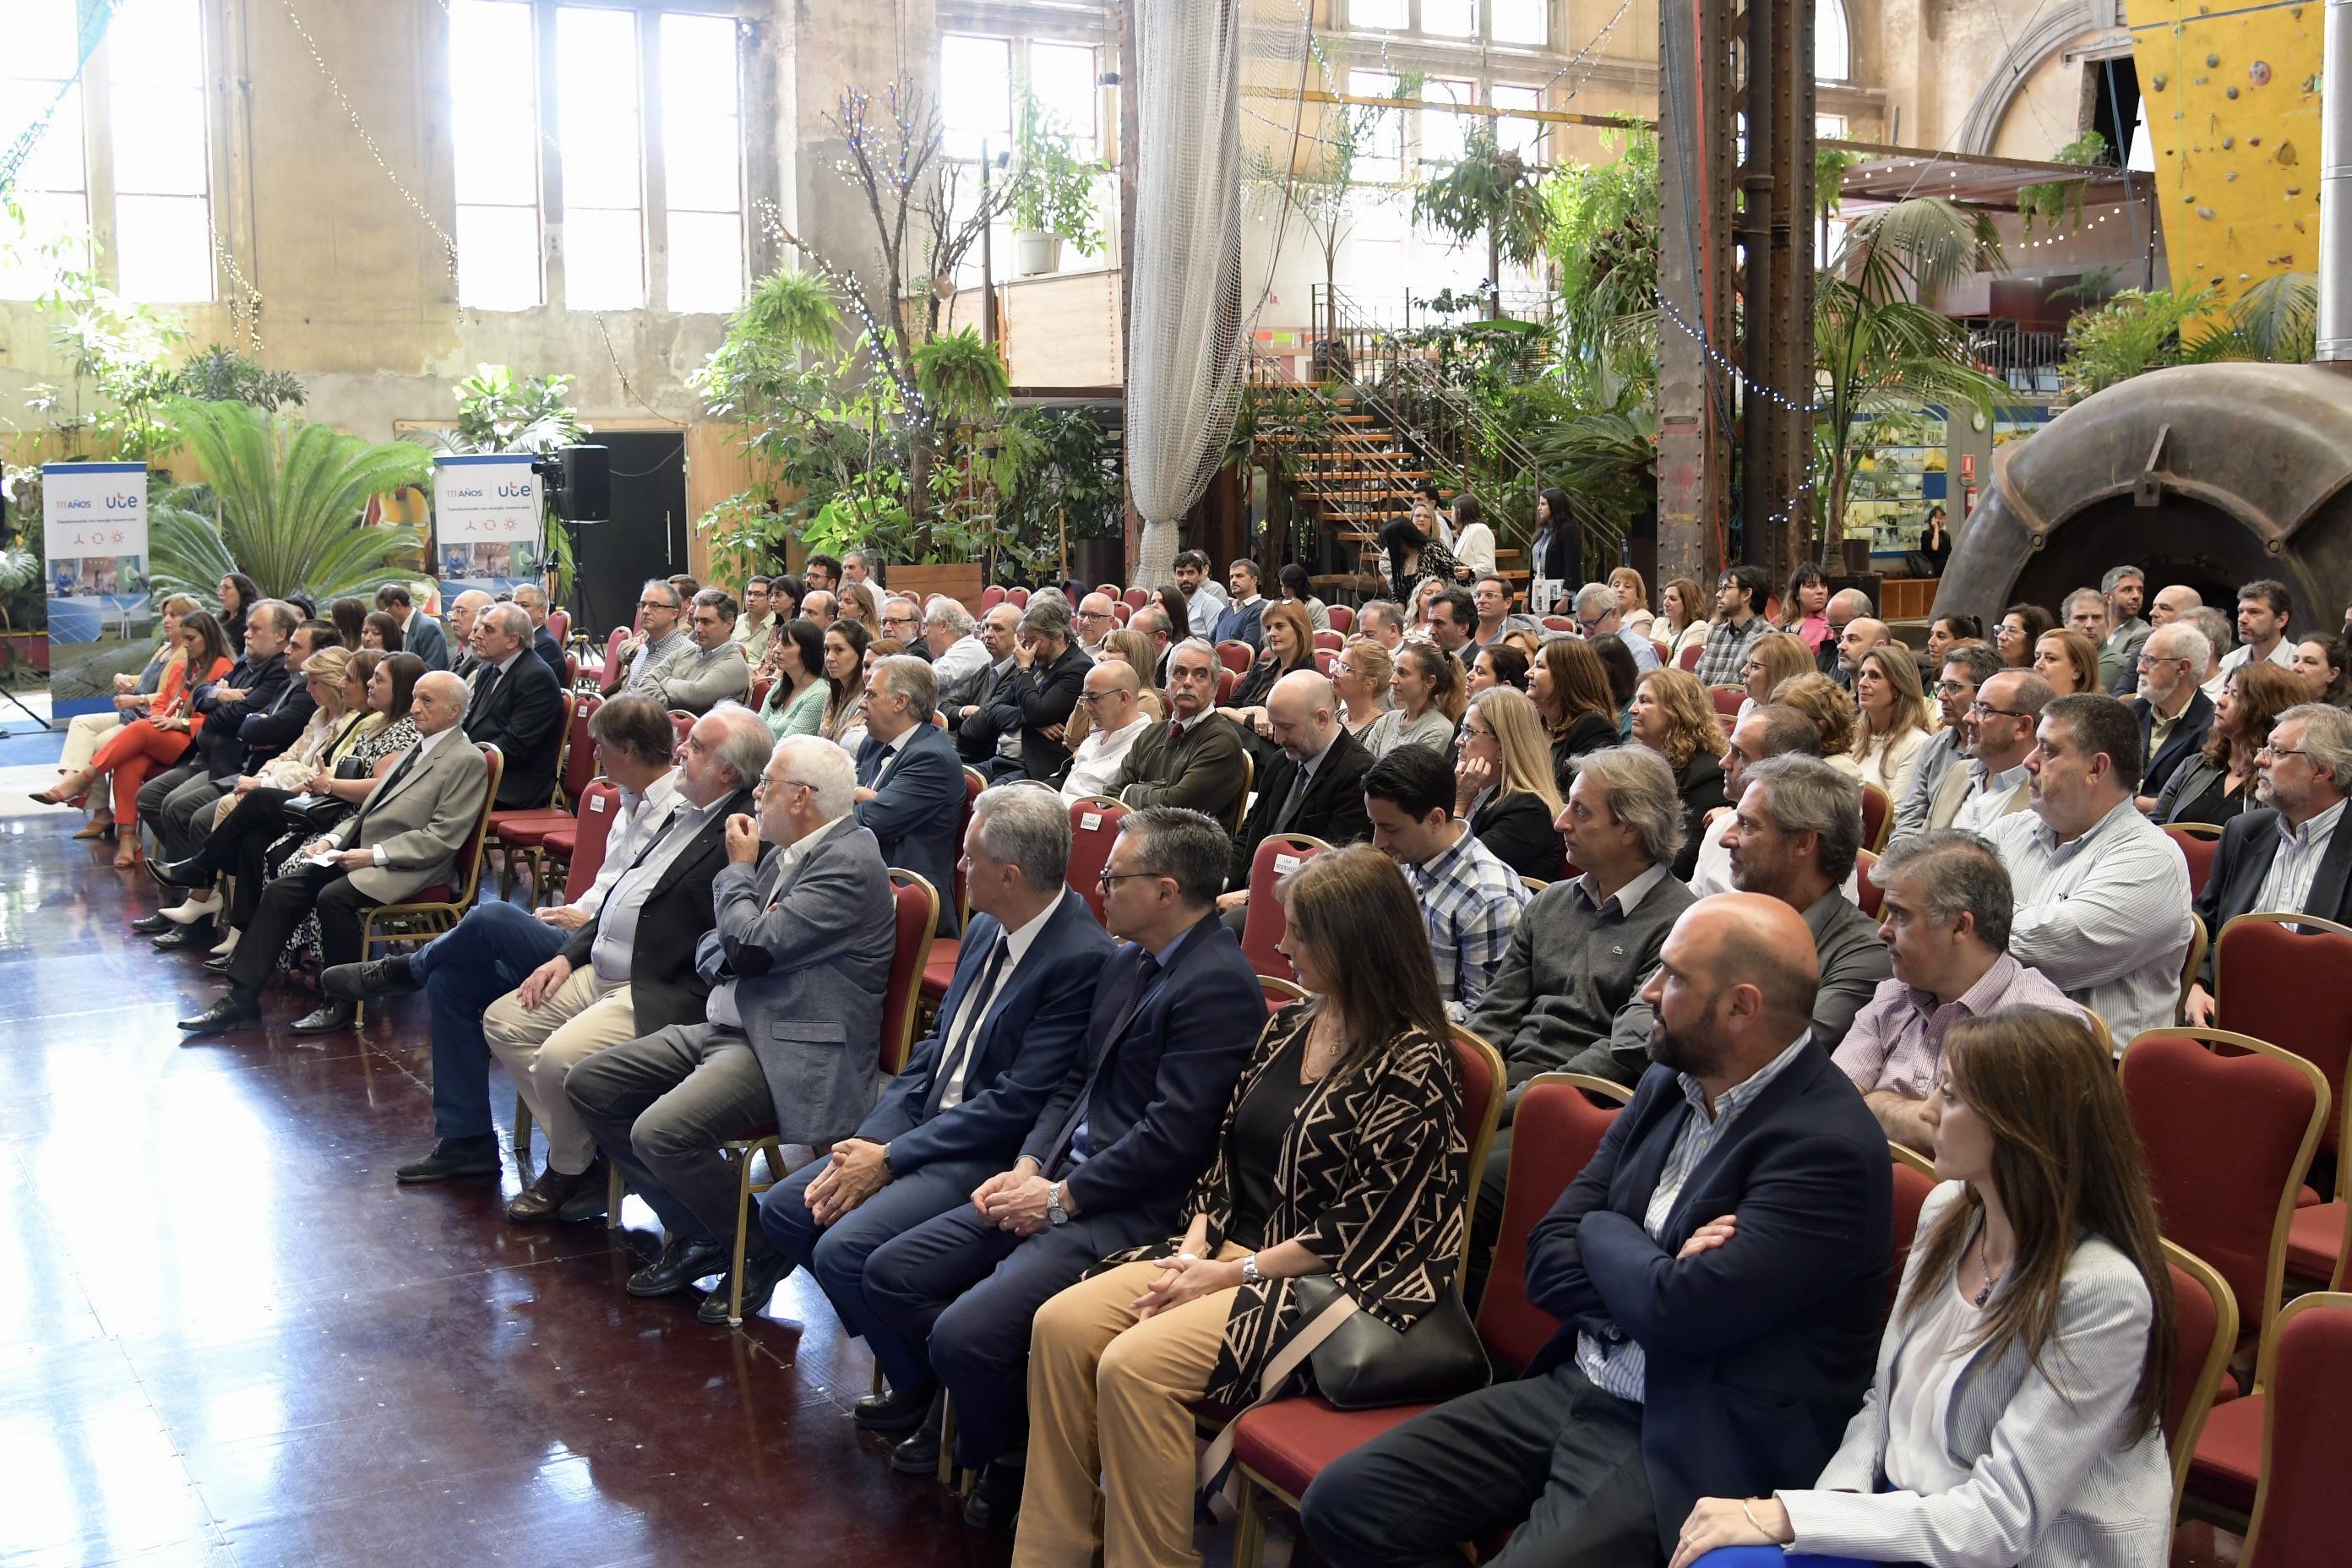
x,y
1054,1212
1250,1276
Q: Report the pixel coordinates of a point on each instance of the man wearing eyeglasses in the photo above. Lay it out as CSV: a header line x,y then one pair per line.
x,y
2288,854
1965,668
639,664
1740,622
1597,617
910,784
1999,727
2173,711
1094,621
1114,721
902,620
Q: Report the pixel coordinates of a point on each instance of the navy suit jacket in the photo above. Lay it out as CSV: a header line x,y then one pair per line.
x,y
2188,734
2250,842
915,813
1759,1352
1019,1056
1153,1092
270,717
1235,624
523,716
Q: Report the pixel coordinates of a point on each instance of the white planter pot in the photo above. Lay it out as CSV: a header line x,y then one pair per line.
x,y
1035,252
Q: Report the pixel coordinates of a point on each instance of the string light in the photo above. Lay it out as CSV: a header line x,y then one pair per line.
x,y
1753,387
247,308
449,246
2116,210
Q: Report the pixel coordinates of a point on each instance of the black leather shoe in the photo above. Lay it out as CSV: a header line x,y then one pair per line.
x,y
681,1263
190,873
760,1277
918,1453
590,1200
199,935
540,1202
220,965
230,1012
326,1018
894,1410
370,982
995,1499
152,925
454,1157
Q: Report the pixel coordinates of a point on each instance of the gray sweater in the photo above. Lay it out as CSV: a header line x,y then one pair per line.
x,y
1572,967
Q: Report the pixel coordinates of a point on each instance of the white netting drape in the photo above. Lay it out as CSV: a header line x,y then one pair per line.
x,y
1189,314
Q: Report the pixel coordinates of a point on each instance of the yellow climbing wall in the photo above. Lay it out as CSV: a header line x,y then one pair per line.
x,y
2232,95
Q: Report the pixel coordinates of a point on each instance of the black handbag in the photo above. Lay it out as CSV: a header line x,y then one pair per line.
x,y
315,813
1364,1364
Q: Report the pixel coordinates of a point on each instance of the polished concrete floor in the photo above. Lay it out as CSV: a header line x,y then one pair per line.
x,y
226,1337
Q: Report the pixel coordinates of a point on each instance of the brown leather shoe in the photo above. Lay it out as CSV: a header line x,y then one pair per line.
x,y
538,1203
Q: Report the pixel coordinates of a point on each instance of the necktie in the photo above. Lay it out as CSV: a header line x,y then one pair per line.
x,y
390,781
1298,783
975,1008
1145,972
489,674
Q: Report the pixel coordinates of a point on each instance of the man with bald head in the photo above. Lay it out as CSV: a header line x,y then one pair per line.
x,y
1723,1239
1845,606
2170,604
818,606
464,611
1317,787
404,837
1096,620
515,705
1862,635
1114,719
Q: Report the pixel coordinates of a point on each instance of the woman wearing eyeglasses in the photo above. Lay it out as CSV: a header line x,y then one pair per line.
x,y
1776,657
1360,676
2218,783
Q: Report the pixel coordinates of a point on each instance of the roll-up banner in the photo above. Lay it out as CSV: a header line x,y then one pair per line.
x,y
487,529
94,525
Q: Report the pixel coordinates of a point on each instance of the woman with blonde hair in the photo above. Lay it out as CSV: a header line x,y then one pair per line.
x,y
2017,1412
1682,607
2068,660
1428,687
1775,657
1503,788
1674,717
1342,1154
856,602
1570,689
1632,601
2216,783
134,695
1361,674
1895,717
1826,702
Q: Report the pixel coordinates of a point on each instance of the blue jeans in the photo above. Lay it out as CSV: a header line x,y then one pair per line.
x,y
492,951
1772,1557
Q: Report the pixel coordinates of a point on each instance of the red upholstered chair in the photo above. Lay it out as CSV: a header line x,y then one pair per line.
x,y
2205,1332
1726,699
1262,926
1019,597
1559,624
1323,657
1136,598
1688,659
1343,619
939,973
2199,841
570,670
2294,988
990,597
1227,683
584,840
1280,1447
613,649
760,691
559,626
1120,611
1107,590
1662,650
1873,895
1094,828
1333,640
2227,1139
1915,1178
521,833
1877,817
682,721
2298,1520
918,912
1236,657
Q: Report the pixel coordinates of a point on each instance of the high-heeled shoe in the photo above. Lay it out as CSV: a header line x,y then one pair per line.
x,y
97,828
126,852
70,787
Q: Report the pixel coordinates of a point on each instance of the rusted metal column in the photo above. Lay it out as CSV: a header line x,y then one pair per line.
x,y
1776,430
1694,161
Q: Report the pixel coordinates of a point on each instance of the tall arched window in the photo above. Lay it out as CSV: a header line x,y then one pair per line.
x,y
1832,45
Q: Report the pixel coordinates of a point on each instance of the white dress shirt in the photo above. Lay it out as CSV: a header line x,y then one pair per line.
x,y
2300,850
641,816
1017,943
616,930
2282,654
424,749
1988,797
1100,757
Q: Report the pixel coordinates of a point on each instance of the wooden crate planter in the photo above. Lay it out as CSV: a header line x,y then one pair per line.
x,y
959,580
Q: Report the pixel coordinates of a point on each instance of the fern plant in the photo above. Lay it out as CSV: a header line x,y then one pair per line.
x,y
289,495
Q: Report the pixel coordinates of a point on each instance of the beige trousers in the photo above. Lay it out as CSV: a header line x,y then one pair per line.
x,y
85,732
1107,1397
539,1045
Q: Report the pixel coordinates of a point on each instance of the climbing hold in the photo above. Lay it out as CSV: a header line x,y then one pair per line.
x,y
2212,59
2205,213
2156,83
2294,190
2258,73
2229,174
2285,154
2229,92
2227,142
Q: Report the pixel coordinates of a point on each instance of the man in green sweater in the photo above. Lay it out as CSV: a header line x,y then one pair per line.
x,y
1195,759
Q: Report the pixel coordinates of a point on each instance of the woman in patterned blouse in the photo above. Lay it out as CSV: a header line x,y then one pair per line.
x,y
1343,1152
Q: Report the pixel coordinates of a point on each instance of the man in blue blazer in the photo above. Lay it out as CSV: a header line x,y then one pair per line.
x,y
1007,1033
910,779
1718,1269
1124,1136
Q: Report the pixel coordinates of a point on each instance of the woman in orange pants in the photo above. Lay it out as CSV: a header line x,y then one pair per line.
x,y
158,740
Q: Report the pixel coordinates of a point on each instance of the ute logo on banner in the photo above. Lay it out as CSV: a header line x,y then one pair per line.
x,y
94,528
487,532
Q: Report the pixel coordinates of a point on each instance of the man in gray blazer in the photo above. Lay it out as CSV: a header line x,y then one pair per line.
x,y
404,838
797,964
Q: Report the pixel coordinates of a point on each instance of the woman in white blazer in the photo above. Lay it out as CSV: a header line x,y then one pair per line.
x,y
2014,1418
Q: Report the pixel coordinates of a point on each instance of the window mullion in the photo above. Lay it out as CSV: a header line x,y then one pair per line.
x,y
98,165
653,141
553,212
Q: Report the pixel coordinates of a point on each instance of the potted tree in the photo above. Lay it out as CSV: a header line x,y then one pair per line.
x,y
1051,197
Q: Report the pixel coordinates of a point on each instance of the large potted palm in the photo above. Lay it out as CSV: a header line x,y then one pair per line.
x,y
281,501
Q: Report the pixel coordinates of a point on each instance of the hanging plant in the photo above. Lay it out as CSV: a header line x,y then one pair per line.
x,y
2057,202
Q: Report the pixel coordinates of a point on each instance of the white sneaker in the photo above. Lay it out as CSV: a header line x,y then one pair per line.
x,y
228,944
205,904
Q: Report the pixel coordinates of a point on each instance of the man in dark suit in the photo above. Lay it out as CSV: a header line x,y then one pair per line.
x,y
1124,1136
420,634
533,600
1007,1032
790,1045
1316,788
977,740
2174,713
909,783
1719,1271
2290,853
517,706
1035,703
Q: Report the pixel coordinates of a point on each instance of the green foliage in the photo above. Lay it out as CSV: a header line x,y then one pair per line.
x,y
1830,164
1488,192
1052,189
118,357
289,495
2130,334
498,412
1062,480
2056,202
962,377
1602,233
221,374
2275,321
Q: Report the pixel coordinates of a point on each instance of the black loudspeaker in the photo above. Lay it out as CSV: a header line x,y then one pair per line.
x,y
584,493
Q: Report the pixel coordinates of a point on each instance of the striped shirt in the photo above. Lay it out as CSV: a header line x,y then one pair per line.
x,y
1618,1365
2287,885
1471,901
2106,916
1727,650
